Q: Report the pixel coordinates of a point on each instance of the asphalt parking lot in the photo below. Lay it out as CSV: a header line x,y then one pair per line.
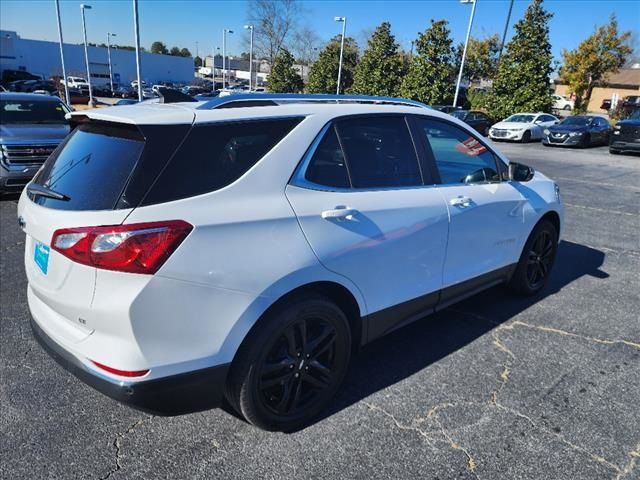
x,y
493,388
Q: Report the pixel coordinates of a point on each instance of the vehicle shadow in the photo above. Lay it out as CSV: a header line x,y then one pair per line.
x,y
401,354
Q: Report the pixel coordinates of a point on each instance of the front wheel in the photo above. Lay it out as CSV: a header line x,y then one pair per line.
x,y
526,137
536,261
292,364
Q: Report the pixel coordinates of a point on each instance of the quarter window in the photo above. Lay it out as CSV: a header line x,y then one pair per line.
x,y
379,152
216,155
459,156
327,166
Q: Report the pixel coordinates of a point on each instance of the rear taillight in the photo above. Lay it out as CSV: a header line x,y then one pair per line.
x,y
133,248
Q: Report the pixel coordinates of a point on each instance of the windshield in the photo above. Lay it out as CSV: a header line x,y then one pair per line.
x,y
459,114
24,111
520,119
581,121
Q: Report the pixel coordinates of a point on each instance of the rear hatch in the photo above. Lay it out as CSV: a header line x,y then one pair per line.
x,y
95,178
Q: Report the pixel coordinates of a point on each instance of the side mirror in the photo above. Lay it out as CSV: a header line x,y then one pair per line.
x,y
520,173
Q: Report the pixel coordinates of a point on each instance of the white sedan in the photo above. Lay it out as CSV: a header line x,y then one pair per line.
x,y
522,127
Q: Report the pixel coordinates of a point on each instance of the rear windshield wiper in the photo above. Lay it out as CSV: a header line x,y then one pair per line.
x,y
42,191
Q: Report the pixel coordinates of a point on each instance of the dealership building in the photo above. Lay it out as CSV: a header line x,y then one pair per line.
x,y
43,58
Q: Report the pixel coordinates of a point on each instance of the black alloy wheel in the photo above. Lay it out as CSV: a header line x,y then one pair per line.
x,y
533,270
291,365
540,259
526,137
298,367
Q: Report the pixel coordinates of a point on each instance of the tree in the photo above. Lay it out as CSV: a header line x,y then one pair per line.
x,y
381,68
604,52
481,61
273,21
305,45
522,83
431,71
323,74
174,52
283,77
159,47
184,52
197,61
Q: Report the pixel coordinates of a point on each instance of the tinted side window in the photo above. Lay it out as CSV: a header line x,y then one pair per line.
x,y
459,157
327,166
213,156
379,152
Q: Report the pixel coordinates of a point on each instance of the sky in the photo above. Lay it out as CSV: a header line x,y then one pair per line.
x,y
198,25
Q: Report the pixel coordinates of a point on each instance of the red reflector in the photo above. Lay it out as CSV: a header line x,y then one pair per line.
x,y
133,248
122,373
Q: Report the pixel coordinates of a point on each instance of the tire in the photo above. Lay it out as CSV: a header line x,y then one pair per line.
x,y
526,137
280,382
536,261
613,151
586,141
567,107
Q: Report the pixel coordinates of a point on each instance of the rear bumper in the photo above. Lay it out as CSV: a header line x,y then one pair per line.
x,y
173,395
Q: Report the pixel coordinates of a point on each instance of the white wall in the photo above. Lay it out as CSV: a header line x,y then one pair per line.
x,y
43,58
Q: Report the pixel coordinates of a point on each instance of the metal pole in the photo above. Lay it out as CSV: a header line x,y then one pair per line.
x,y
506,27
464,51
344,28
251,59
109,55
137,35
213,69
64,71
86,52
224,53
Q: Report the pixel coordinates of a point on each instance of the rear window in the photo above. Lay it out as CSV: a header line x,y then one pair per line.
x,y
215,155
91,167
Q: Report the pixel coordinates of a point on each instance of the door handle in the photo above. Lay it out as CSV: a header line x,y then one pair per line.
x,y
461,201
339,213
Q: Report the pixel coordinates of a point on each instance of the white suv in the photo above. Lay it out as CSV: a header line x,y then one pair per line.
x,y
177,254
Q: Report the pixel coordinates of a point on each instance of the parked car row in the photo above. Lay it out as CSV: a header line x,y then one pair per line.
x,y
573,131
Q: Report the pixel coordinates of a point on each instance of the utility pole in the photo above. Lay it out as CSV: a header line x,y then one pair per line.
x,y
464,51
250,27
64,71
109,35
84,7
137,35
344,28
506,27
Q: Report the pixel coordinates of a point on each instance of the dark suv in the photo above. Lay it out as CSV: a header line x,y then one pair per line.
x,y
31,127
626,134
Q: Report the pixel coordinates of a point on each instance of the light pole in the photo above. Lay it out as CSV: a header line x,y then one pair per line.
x,y
344,28
137,35
64,71
250,28
464,51
109,35
224,52
84,7
506,27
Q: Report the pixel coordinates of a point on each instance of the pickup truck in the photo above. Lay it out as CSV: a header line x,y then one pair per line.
x,y
77,82
31,127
